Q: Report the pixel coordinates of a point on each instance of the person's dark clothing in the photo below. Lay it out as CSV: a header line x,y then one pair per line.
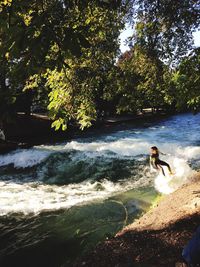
x,y
156,163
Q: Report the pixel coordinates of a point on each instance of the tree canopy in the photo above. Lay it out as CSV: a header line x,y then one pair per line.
x,y
65,55
165,27
187,81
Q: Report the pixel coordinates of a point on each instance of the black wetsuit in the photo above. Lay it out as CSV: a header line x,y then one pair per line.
x,y
156,163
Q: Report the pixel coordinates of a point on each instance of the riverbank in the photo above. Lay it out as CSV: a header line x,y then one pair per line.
x,y
157,238
35,129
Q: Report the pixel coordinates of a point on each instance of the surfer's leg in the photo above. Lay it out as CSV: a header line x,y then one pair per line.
x,y
163,163
161,168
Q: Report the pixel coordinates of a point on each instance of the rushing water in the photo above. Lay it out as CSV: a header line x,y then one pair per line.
x,y
57,201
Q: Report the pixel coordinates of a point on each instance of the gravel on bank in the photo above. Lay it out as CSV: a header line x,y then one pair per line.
x,y
157,238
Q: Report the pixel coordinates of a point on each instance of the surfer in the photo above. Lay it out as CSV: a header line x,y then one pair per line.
x,y
156,163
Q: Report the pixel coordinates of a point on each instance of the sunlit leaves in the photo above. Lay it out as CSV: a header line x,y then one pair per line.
x,y
80,89
86,114
5,3
63,107
62,47
65,51
187,82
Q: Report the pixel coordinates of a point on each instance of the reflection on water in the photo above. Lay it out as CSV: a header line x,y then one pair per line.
x,y
57,201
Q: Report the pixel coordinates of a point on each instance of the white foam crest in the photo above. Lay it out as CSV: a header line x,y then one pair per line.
x,y
189,152
124,147
33,198
134,147
24,158
169,183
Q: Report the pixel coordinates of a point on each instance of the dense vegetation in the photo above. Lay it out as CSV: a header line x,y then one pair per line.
x,y
64,55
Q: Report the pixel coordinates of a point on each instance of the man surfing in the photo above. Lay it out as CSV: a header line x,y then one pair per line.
x,y
156,163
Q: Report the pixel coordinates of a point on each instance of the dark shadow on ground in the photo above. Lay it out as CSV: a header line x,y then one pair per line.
x,y
158,248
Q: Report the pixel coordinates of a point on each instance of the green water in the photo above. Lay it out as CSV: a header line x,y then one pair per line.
x,y
57,239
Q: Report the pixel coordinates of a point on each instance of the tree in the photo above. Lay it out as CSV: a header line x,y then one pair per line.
x,y
164,27
143,83
68,49
187,82
162,36
44,40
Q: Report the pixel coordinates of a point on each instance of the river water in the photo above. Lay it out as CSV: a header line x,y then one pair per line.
x,y
57,201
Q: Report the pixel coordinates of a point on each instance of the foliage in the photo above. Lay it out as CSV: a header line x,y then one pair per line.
x,y
164,27
148,82
143,83
162,37
62,54
187,82
42,39
80,88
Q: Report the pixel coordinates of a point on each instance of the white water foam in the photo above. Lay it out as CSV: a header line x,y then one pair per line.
x,y
189,152
123,147
177,157
169,183
34,198
23,158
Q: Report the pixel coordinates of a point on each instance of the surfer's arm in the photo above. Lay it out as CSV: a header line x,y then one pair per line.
x,y
162,153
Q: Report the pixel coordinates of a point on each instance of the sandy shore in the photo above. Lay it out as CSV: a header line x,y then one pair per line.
x,y
157,238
